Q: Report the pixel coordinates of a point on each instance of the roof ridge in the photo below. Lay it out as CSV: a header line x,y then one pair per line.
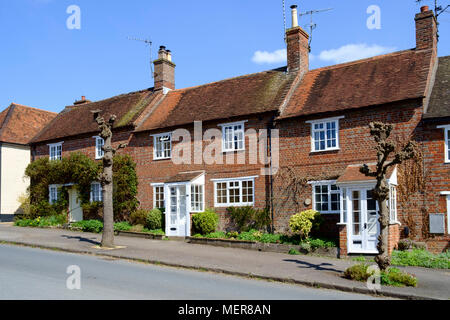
x,y
228,79
34,108
359,61
113,97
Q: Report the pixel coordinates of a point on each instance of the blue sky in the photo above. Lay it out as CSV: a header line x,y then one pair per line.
x,y
46,65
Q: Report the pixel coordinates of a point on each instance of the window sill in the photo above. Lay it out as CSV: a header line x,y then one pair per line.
x,y
394,222
329,212
326,150
159,159
226,205
234,150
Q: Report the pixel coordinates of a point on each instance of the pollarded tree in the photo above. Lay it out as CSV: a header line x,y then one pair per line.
x,y
106,177
381,132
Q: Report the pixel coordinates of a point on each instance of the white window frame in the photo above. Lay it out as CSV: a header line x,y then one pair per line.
x,y
233,134
446,142
447,194
99,153
324,122
155,153
154,195
228,181
392,204
327,183
56,156
92,192
58,193
202,203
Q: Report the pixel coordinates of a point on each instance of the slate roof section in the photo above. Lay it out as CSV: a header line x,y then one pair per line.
x,y
240,96
19,124
374,81
439,105
78,119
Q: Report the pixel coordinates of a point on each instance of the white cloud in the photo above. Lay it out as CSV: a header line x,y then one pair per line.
x,y
351,52
277,56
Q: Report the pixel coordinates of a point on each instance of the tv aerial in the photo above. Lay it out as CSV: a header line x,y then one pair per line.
x,y
312,25
149,43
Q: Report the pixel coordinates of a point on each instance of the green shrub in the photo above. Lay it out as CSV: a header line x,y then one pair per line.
x,y
393,276
94,226
233,234
122,226
156,231
321,243
139,217
357,272
303,222
293,251
205,222
247,218
216,235
42,222
421,258
154,219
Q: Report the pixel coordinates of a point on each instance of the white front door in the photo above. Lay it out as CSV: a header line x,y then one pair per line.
x,y
176,220
363,222
75,209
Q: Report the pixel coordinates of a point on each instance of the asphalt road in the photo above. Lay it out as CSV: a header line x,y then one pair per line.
x,y
27,273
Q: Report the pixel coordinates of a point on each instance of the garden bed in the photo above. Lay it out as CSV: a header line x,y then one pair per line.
x,y
266,247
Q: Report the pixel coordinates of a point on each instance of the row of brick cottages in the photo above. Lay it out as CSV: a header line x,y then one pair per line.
x,y
321,117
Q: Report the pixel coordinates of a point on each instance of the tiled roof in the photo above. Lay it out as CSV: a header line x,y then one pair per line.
x,y
78,119
19,124
439,105
185,176
352,174
375,81
240,96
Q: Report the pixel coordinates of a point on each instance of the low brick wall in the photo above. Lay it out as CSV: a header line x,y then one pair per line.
x,y
258,246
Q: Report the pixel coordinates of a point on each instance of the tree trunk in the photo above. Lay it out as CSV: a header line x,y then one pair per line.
x,y
383,259
107,184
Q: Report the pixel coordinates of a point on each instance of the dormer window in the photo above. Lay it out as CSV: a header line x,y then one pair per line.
x,y
162,146
55,151
325,134
233,137
99,143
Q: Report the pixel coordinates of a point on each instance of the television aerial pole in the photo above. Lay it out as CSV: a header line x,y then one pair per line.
x,y
148,43
312,25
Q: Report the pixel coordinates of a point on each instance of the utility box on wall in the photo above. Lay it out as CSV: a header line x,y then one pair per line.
x,y
437,223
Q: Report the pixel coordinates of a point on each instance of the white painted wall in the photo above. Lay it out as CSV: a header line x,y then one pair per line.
x,y
14,159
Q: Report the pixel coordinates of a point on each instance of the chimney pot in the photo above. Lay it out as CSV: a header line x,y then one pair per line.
x,y
424,9
83,98
294,16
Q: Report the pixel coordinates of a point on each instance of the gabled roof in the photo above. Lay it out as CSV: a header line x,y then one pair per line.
x,y
19,124
78,119
240,96
375,81
439,105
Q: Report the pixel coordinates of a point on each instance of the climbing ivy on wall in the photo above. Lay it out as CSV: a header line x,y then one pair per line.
x,y
81,171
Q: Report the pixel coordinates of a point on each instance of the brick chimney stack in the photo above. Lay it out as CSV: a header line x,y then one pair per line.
x,y
426,29
297,45
164,71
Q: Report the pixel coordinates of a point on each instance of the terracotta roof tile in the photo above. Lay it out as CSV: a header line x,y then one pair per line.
x,y
439,105
352,174
387,78
19,124
245,95
76,120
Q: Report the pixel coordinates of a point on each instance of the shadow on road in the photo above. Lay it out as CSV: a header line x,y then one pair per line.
x,y
319,267
82,239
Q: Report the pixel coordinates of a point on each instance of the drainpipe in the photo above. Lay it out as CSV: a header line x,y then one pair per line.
x,y
270,126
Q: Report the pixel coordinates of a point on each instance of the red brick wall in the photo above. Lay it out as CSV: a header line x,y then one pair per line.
x,y
356,147
157,171
438,180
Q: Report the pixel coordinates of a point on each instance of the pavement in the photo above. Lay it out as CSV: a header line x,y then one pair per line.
x,y
313,271
30,274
